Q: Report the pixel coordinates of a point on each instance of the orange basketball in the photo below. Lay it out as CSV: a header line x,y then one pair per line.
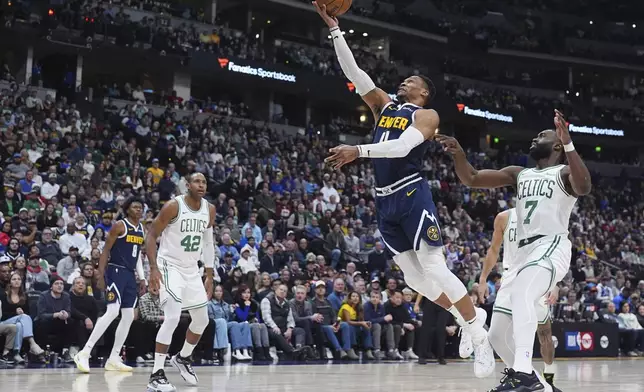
x,y
336,7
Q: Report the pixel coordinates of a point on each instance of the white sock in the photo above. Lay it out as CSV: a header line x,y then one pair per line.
x,y
552,368
101,325
457,315
123,329
187,349
159,362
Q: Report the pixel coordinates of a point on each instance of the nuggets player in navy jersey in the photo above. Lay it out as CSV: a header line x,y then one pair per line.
x,y
407,216
123,246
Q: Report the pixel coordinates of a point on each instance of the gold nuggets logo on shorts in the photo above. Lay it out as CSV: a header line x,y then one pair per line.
x,y
110,296
432,233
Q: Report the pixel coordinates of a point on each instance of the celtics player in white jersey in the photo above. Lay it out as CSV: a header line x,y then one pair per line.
x,y
185,225
546,195
500,334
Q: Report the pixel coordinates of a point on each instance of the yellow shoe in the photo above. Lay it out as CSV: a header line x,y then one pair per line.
x,y
81,360
115,365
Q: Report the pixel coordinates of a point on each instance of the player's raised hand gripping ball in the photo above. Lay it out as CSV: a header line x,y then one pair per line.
x,y
334,7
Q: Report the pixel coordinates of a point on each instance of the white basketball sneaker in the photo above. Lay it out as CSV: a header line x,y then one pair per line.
x,y
484,361
82,361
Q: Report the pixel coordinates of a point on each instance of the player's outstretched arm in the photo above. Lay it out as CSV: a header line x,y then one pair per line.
x,y
373,96
423,128
477,178
209,251
168,212
112,235
575,176
492,256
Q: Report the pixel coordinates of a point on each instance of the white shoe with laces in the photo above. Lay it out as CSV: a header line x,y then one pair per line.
x,y
81,359
466,347
410,354
116,365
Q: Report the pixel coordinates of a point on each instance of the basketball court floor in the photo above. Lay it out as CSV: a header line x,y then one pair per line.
x,y
572,376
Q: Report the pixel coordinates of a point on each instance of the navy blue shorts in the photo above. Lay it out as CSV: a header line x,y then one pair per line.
x,y
407,217
121,286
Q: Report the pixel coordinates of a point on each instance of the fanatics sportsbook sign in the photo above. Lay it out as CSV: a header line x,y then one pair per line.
x,y
484,114
256,71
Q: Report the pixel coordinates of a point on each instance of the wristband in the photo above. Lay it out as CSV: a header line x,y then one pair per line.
x,y
570,147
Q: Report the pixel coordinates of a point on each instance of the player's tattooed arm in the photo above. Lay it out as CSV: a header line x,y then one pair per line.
x,y
116,231
473,178
575,176
168,212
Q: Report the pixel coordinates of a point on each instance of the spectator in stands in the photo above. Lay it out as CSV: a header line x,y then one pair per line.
x,y
72,239
247,311
48,248
54,311
84,311
5,275
269,264
9,331
37,278
374,312
628,322
392,286
337,297
352,313
151,320
277,314
402,323
335,239
310,322
15,305
433,332
332,325
240,338
69,263
627,338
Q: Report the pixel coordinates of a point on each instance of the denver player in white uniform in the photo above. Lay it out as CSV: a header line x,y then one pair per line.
x,y
186,228
500,334
545,198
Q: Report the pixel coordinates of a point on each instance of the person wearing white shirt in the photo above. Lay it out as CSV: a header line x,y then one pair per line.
x,y
50,189
88,165
72,238
328,190
245,262
353,242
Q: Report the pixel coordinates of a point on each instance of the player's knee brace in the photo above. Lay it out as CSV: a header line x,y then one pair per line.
x,y
433,262
199,320
415,275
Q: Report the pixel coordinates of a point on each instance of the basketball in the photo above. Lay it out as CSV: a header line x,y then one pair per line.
x,y
336,7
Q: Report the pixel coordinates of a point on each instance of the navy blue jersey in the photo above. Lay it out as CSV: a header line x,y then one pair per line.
x,y
393,121
407,215
126,249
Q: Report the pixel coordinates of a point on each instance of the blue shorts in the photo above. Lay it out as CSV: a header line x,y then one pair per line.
x,y
121,286
407,217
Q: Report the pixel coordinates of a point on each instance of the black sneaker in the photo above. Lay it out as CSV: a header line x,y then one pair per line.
x,y
184,365
513,381
442,361
550,378
159,383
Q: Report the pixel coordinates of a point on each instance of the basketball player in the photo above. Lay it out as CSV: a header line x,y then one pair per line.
x,y
500,333
123,245
407,216
546,196
186,228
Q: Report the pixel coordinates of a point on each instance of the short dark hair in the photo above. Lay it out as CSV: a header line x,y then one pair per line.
x,y
129,201
430,87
